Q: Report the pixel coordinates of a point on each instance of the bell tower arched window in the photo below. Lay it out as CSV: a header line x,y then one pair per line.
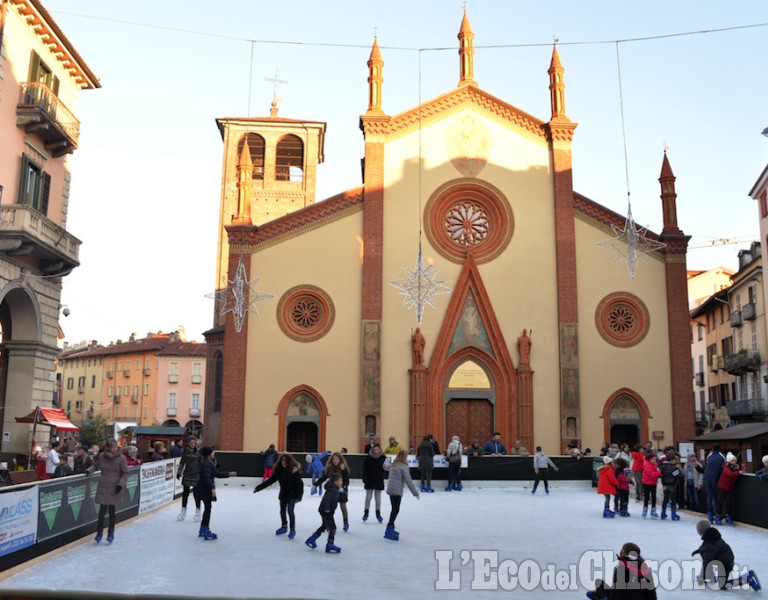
x,y
289,159
256,148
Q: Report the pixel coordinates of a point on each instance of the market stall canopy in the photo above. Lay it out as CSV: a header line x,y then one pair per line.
x,y
50,417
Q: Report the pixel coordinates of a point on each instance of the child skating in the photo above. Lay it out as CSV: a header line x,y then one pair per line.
x,y
326,509
651,475
606,485
399,477
717,560
287,471
338,464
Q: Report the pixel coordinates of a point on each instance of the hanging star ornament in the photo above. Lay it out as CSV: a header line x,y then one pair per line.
x,y
631,244
240,296
419,286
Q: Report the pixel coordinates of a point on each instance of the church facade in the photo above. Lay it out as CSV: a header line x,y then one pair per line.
x,y
527,329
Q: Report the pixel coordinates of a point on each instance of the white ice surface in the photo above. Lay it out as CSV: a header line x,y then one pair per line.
x,y
156,554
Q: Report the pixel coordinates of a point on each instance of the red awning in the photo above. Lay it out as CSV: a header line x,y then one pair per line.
x,y
51,417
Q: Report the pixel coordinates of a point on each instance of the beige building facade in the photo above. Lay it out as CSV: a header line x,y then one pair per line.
x,y
536,335
41,77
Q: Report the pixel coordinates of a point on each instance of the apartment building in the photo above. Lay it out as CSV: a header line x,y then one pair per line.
x,y
41,78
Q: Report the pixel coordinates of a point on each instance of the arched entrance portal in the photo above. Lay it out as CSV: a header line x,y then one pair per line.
x,y
302,413
470,399
625,417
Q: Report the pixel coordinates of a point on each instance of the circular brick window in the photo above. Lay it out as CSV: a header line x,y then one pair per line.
x,y
305,313
622,319
463,217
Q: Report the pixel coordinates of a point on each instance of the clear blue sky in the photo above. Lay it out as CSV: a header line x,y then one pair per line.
x,y
146,183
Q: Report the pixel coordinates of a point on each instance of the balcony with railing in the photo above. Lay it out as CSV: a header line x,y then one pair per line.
x,y
41,112
742,362
749,312
750,408
702,419
171,412
194,413
26,232
699,377
736,320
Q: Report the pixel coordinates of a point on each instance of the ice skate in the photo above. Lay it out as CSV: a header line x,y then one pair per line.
x,y
608,513
313,491
430,489
182,514
291,534
312,541
654,514
208,534
546,491
458,487
197,517
728,519
98,537
346,526
753,581
110,538
390,533
675,516
379,518
718,520
331,549
710,517
201,533
449,487
664,512
645,512
423,488
533,491
365,516
283,529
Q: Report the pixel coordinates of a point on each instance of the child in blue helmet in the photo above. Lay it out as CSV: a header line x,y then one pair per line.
x,y
315,469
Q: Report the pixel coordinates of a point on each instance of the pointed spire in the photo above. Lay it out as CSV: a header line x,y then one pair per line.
x,y
557,86
244,175
668,198
466,53
375,80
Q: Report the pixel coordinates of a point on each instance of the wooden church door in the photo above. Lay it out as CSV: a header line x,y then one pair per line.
x,y
469,419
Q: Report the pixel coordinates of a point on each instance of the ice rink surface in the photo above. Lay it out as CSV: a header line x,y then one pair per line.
x,y
452,545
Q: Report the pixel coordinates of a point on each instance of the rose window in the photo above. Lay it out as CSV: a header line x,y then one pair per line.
x,y
622,319
466,216
467,223
305,313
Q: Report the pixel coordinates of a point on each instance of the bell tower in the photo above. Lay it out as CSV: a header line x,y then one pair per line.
x,y
282,176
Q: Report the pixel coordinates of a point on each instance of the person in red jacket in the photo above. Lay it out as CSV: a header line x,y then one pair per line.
x,y
725,485
606,485
638,462
651,475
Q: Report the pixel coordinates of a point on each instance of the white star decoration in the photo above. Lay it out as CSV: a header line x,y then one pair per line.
x,y
240,296
631,244
419,286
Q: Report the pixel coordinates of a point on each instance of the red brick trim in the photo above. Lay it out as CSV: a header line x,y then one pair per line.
x,y
499,366
645,414
494,217
305,313
282,409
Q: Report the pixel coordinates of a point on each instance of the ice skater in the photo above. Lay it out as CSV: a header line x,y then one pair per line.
x,y
606,485
338,464
541,464
717,560
624,478
287,471
315,469
632,578
206,489
269,458
453,455
189,472
670,476
651,475
326,509
109,493
426,454
373,480
399,477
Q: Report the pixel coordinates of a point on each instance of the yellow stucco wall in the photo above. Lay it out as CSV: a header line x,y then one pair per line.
x,y
328,258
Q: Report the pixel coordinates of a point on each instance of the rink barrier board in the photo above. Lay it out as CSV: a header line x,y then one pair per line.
x,y
66,510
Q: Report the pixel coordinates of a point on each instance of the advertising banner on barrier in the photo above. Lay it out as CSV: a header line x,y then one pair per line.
x,y
18,520
69,503
157,484
438,462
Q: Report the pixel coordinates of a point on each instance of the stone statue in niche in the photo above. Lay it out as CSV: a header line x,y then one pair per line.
x,y
418,348
524,347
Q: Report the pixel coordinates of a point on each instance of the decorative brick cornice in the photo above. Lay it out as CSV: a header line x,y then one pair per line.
x,y
467,95
298,222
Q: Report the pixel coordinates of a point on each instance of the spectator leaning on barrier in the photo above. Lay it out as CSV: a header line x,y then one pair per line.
x,y
83,462
519,449
52,459
474,449
763,473
494,446
394,446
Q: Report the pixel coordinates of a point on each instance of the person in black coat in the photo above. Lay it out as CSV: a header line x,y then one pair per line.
x,y
716,553
326,509
83,462
206,489
287,472
189,472
373,480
